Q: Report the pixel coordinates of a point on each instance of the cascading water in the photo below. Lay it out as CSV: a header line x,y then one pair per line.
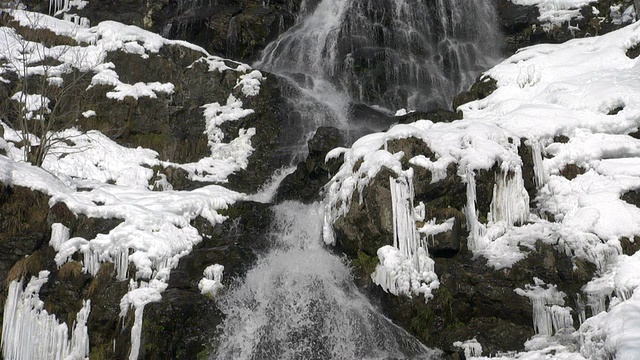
x,y
415,54
299,302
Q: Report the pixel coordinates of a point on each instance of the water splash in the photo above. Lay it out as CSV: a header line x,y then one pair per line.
x,y
299,302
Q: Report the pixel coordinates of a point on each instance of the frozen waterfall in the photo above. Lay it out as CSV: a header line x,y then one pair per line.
x,y
299,302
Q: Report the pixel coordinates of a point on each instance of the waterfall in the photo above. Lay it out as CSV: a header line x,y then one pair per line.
x,y
415,54
299,302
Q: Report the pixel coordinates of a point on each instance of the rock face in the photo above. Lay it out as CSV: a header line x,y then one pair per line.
x,y
474,300
522,27
306,182
233,29
173,125
183,324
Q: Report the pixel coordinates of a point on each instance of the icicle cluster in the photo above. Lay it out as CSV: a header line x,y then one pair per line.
x,y
549,314
476,229
405,268
56,6
510,201
470,347
29,332
211,283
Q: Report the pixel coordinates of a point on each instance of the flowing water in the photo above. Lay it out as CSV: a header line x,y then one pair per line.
x,y
299,301
415,54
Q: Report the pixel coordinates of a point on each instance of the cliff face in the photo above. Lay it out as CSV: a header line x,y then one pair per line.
x,y
473,300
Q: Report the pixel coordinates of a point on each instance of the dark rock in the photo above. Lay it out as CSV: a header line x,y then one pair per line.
x,y
306,182
634,51
183,324
237,29
180,326
23,229
515,18
448,243
630,246
528,173
436,116
571,171
482,88
368,225
632,197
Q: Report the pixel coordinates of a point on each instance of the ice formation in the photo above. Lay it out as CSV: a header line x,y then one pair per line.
x,y
139,295
549,314
117,182
30,332
510,201
211,283
471,348
476,229
405,268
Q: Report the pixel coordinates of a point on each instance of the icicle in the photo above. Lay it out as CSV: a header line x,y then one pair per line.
x,y
475,228
405,268
549,314
582,315
471,347
121,262
510,201
538,166
138,297
90,261
29,332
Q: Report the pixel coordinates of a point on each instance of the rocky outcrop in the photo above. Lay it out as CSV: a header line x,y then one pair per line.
x,y
306,182
522,27
474,300
172,125
234,29
184,323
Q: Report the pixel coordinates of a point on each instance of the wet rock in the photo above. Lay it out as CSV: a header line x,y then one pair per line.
x,y
474,300
522,28
180,326
482,88
306,182
449,243
369,224
435,116
183,324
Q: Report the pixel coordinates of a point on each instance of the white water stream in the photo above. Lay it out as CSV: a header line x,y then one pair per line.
x,y
299,302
